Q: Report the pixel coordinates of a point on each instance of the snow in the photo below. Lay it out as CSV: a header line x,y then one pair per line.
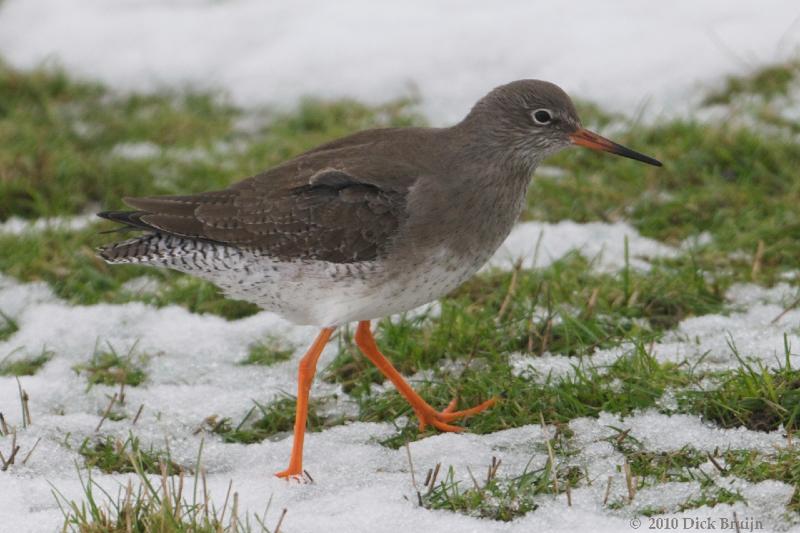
x,y
360,485
192,368
626,54
18,226
539,244
704,342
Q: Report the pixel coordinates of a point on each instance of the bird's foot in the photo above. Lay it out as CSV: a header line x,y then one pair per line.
x,y
295,474
439,419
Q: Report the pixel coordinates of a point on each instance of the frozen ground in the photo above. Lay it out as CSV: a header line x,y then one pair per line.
x,y
18,226
360,485
624,54
538,244
704,342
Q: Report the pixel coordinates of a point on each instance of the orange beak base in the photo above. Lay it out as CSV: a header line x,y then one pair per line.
x,y
588,139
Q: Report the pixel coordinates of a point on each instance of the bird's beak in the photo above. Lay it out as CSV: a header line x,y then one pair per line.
x,y
584,137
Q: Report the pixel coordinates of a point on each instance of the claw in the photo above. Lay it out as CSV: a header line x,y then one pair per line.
x,y
290,474
451,406
439,419
448,415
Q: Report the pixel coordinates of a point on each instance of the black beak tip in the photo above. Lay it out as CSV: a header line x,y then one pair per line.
x,y
631,154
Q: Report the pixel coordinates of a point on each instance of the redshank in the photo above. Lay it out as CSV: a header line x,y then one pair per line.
x,y
369,225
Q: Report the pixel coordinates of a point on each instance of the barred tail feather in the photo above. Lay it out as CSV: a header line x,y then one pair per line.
x,y
142,249
155,248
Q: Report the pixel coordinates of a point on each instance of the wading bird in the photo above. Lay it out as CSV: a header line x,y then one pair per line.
x,y
373,224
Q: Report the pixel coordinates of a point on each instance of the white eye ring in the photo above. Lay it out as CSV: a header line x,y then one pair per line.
x,y
542,116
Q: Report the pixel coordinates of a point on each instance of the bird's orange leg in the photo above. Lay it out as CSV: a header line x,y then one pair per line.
x,y
307,369
425,413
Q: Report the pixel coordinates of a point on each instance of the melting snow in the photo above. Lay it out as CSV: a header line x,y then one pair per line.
x,y
360,485
623,54
271,53
539,244
705,341
19,226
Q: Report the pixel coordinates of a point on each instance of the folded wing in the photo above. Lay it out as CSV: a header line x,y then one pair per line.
x,y
343,212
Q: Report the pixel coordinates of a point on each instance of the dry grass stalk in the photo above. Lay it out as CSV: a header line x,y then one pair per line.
x,y
512,289
411,466
716,464
433,477
608,490
138,414
106,412
788,308
629,481
14,449
24,401
493,469
548,330
569,494
592,302
280,521
757,260
28,455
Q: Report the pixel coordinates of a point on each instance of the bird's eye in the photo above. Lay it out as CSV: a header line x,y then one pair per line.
x,y
542,116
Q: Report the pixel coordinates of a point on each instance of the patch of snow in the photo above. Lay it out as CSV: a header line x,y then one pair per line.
x,y
662,433
549,171
541,368
791,275
704,341
141,285
703,238
18,226
136,150
274,52
539,244
148,150
360,485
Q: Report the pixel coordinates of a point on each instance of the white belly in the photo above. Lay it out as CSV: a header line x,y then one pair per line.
x,y
327,294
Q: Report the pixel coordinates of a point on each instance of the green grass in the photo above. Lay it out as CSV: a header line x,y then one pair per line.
x,y
8,326
646,468
563,309
497,497
767,82
752,396
265,421
783,464
633,382
24,367
65,148
467,347
267,352
156,501
658,467
738,184
113,455
110,368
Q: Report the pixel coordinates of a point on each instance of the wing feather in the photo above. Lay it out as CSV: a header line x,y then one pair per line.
x,y
329,205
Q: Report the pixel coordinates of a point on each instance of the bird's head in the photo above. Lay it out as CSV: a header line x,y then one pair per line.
x,y
534,118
